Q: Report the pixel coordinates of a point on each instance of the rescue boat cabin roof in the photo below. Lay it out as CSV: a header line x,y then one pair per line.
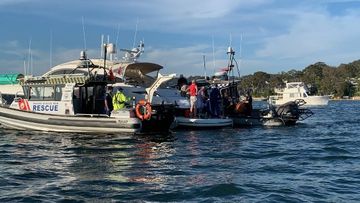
x,y
125,69
66,79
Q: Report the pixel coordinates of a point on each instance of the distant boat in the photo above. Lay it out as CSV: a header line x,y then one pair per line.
x,y
297,90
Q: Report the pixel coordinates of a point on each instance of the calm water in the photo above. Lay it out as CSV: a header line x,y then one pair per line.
x,y
317,160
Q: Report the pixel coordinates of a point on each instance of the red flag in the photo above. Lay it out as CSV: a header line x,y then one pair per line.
x,y
111,75
120,70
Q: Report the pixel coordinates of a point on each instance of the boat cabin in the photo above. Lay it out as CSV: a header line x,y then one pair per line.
x,y
293,90
65,95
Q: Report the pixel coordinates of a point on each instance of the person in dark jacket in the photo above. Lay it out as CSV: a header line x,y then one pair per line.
x,y
215,100
181,81
248,101
109,96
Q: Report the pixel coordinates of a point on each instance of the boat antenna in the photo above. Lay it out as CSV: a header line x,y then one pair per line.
x,y
24,66
240,56
29,56
204,60
230,40
213,52
136,29
31,63
102,46
50,53
117,38
240,50
83,26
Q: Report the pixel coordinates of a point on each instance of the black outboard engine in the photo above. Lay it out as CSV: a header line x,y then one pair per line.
x,y
290,112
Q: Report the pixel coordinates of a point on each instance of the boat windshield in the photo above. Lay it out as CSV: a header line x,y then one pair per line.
x,y
43,93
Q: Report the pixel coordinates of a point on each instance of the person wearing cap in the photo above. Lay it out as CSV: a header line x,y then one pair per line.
x,y
119,99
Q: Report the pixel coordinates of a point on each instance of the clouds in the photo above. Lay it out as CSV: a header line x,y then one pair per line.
x,y
315,36
10,2
278,35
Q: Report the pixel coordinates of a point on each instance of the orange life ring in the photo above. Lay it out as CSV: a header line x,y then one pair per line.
x,y
143,114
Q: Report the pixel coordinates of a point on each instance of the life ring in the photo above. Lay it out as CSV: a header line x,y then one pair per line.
x,y
143,110
24,104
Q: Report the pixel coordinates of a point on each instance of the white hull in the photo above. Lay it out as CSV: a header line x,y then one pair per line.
x,y
203,122
310,101
24,120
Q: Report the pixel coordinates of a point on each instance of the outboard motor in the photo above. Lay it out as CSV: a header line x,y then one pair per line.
x,y
290,111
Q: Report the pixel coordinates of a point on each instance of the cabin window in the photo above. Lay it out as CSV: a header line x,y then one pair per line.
x,y
35,93
49,93
41,93
26,92
58,92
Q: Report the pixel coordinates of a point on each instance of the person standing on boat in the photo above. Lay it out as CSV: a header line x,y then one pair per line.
x,y
109,97
200,101
119,99
181,81
183,90
248,101
215,100
226,103
193,89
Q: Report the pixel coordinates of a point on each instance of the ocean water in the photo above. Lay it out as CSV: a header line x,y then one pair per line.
x,y
317,160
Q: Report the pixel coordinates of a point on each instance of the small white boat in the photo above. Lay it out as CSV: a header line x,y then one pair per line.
x,y
203,122
294,91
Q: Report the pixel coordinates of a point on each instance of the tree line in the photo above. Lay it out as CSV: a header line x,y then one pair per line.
x,y
320,78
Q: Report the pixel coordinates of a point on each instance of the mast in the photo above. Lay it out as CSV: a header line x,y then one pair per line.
x,y
84,33
231,54
29,57
136,29
50,51
204,60
213,52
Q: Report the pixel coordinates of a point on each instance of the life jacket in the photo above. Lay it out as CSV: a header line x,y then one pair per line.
x,y
119,100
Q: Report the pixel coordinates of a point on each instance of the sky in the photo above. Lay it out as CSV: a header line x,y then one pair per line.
x,y
267,35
